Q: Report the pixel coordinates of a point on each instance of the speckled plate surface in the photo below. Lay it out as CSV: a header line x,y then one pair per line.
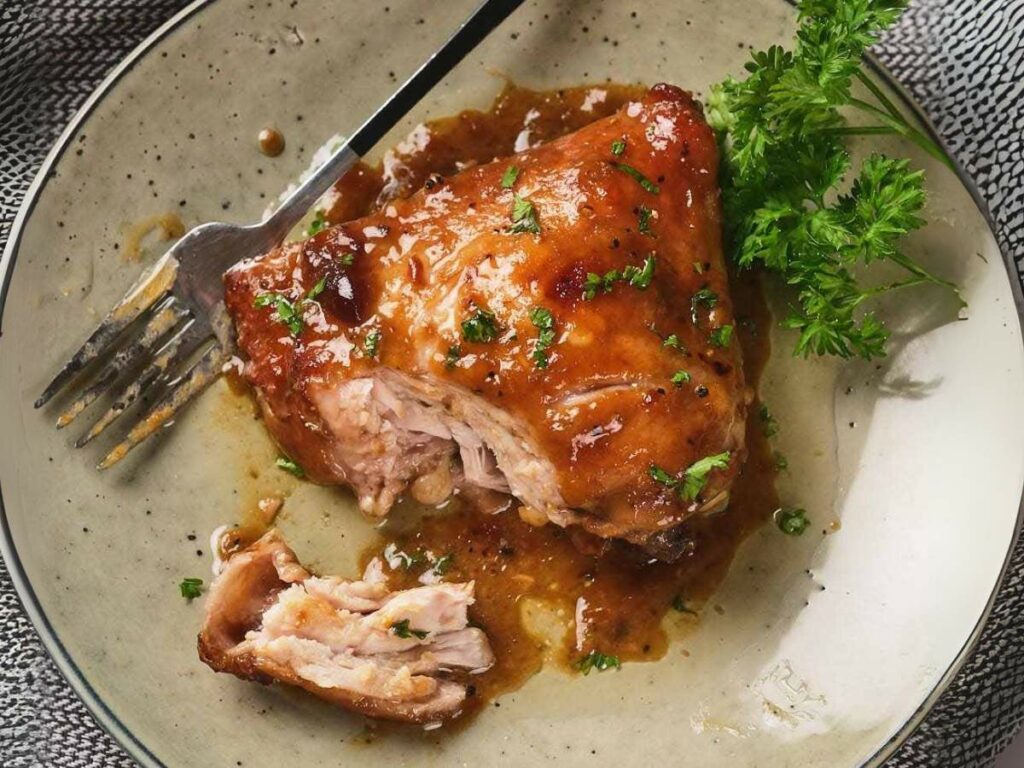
x,y
822,651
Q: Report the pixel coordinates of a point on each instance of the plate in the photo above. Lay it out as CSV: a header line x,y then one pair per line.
x,y
820,650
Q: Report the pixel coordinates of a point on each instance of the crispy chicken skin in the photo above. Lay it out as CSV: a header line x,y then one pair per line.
x,y
354,643
381,388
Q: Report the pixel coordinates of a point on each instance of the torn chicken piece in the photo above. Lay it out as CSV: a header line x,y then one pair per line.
x,y
393,655
556,326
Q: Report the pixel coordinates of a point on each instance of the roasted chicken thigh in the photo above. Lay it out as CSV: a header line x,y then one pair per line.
x,y
555,326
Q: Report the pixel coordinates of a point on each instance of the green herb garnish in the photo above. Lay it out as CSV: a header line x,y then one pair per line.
x,y
508,179
781,462
720,337
443,564
452,358
317,224
672,340
792,522
694,478
783,167
286,311
191,588
524,216
599,661
706,298
402,629
680,377
481,327
371,344
289,466
679,605
769,425
347,259
545,324
638,277
644,215
618,147
644,182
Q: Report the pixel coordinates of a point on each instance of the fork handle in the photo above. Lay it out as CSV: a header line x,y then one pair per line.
x,y
488,15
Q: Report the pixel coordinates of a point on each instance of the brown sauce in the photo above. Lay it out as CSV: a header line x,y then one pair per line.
x,y
271,142
516,565
169,226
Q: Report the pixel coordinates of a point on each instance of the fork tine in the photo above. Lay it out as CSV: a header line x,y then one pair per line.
x,y
199,377
182,344
150,288
167,315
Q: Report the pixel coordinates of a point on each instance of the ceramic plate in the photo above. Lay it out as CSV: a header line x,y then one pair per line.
x,y
822,650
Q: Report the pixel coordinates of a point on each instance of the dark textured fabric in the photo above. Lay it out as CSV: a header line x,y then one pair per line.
x,y
962,59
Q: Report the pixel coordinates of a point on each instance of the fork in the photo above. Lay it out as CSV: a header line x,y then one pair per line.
x,y
176,309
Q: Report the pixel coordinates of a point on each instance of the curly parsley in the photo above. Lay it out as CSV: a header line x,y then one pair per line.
x,y
783,167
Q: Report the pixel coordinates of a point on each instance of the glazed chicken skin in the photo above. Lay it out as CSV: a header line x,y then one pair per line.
x,y
555,325
355,643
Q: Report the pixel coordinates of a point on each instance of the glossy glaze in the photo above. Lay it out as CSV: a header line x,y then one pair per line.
x,y
605,409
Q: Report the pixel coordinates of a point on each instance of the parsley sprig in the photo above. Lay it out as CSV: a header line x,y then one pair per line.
x,y
784,164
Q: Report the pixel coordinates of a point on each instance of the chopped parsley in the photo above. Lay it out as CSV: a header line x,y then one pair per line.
x,y
672,341
644,182
644,215
524,216
680,377
191,588
286,311
618,147
638,277
792,522
599,661
443,564
545,324
317,289
481,327
679,604
317,224
347,259
769,425
720,337
452,358
371,344
289,466
694,478
398,559
781,462
402,629
706,298
508,179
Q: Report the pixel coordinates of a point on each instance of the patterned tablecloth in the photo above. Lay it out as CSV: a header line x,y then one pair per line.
x,y
962,59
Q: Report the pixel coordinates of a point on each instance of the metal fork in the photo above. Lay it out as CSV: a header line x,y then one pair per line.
x,y
175,311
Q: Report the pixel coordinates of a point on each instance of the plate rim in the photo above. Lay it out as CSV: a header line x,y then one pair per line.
x,y
51,641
